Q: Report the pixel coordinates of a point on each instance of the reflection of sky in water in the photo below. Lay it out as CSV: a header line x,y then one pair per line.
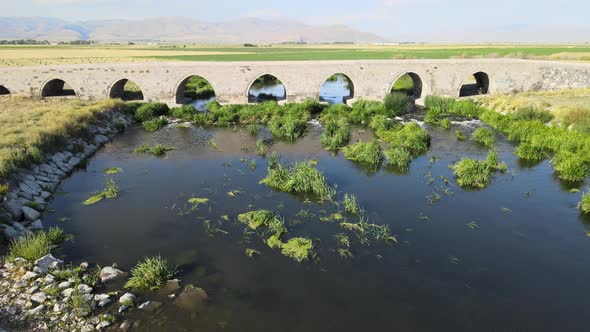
x,y
335,92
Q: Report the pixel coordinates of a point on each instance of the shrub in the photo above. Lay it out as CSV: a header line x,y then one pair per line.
x,y
150,274
584,204
528,151
484,136
472,173
412,137
570,166
398,157
396,103
154,124
149,111
336,133
531,113
365,153
299,178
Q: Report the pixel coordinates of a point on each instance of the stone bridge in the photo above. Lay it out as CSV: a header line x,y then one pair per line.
x,y
371,79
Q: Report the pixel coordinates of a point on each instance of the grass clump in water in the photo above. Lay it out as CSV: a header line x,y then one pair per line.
x,y
351,205
258,219
484,136
113,170
149,111
396,103
570,166
445,123
529,151
157,149
365,153
472,173
111,190
300,178
412,137
299,248
150,274
398,158
35,245
460,135
260,148
336,133
584,204
154,125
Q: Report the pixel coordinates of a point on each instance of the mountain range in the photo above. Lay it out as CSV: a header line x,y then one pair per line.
x,y
180,29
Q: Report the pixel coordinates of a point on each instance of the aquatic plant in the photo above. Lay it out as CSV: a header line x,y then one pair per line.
x,y
111,190
336,133
472,173
35,245
299,248
493,162
584,204
412,137
301,177
365,153
157,149
396,103
154,124
150,274
529,151
570,166
291,124
260,148
365,230
251,252
185,112
445,123
3,190
149,111
197,201
351,205
362,111
398,157
253,129
380,122
484,136
112,170
257,219
460,135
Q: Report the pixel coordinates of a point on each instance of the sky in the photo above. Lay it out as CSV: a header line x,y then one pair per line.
x,y
396,20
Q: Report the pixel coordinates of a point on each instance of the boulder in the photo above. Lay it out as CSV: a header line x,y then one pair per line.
x,y
102,299
48,262
39,297
84,289
36,225
150,305
11,234
192,299
30,214
109,273
127,298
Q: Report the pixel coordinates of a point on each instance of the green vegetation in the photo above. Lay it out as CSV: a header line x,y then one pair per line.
x,y
35,245
149,111
113,170
369,154
445,123
584,204
157,149
262,218
531,152
336,133
185,112
301,178
412,137
404,84
484,136
111,190
154,124
570,167
3,190
150,274
476,174
197,87
351,205
260,148
460,135
531,113
290,125
31,128
396,103
398,158
300,249
380,122
364,231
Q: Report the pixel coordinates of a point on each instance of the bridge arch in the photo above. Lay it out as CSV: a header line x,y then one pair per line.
x,y
193,87
475,84
126,90
4,91
337,88
56,88
409,83
266,87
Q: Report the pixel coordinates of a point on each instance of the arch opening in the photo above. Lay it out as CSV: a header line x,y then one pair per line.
x,y
57,88
4,91
474,85
337,89
409,84
266,88
126,90
195,90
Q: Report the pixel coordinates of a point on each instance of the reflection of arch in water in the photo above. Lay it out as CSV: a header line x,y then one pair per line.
x,y
194,87
126,90
336,89
474,85
57,88
409,83
266,87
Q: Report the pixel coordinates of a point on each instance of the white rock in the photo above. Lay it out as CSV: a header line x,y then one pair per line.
x,y
48,262
109,273
39,297
35,311
102,299
84,289
64,285
58,307
67,292
127,298
29,275
103,324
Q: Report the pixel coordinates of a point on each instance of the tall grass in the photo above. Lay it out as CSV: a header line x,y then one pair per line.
x,y
35,245
301,177
411,137
471,173
399,158
336,133
396,103
484,136
150,274
584,204
365,153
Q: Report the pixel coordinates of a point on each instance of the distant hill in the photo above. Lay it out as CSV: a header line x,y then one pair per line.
x,y
180,29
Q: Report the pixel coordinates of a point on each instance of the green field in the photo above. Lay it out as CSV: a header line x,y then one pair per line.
x,y
45,55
